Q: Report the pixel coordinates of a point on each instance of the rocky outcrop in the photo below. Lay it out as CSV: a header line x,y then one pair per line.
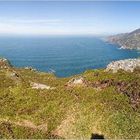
x,y
127,41
4,63
126,65
40,86
76,81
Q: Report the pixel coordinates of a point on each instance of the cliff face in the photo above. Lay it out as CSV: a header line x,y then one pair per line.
x,y
128,40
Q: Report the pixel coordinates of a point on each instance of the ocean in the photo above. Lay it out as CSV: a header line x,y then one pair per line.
x,y
63,55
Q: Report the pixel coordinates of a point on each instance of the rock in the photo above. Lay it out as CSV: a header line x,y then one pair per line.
x,y
126,65
40,86
129,40
4,63
13,74
30,68
76,81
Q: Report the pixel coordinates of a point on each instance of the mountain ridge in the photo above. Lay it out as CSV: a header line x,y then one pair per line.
x,y
129,40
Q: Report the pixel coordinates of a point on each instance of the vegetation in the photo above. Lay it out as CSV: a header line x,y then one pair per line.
x,y
128,40
107,104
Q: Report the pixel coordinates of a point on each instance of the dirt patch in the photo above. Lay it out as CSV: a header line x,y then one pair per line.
x,y
67,127
103,84
27,123
130,89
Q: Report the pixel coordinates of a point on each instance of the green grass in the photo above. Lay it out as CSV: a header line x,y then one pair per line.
x,y
75,112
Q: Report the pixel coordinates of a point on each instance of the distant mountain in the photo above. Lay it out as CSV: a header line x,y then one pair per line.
x,y
127,40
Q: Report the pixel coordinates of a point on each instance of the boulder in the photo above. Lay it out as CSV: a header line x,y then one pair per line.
x,y
76,81
40,86
126,65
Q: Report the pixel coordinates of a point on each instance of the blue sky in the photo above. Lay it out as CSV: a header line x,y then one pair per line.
x,y
61,17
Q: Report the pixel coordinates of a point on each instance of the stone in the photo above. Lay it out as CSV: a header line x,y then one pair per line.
x,y
4,63
13,74
30,68
76,81
126,65
40,86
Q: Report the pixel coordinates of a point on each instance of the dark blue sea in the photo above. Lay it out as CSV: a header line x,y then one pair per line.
x,y
64,55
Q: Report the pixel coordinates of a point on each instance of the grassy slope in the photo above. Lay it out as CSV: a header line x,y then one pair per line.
x,y
66,112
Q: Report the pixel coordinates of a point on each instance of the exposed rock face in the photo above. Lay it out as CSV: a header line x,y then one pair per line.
x,y
128,40
40,86
126,65
4,63
76,81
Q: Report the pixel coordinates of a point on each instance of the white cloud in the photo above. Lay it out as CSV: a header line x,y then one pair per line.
x,y
45,26
23,29
29,26
30,21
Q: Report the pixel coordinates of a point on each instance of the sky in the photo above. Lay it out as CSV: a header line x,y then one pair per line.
x,y
68,17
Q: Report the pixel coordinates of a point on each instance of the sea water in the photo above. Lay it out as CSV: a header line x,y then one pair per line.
x,y
62,55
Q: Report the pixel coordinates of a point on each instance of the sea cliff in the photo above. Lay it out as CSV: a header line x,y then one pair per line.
x,y
127,40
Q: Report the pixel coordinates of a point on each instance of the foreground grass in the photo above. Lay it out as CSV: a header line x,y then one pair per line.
x,y
68,112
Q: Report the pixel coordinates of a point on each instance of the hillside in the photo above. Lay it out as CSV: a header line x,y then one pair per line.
x,y
128,40
39,105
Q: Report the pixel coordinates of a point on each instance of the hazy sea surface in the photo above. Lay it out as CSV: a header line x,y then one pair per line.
x,y
64,55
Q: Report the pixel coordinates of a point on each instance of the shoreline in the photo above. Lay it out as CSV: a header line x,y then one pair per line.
x,y
126,64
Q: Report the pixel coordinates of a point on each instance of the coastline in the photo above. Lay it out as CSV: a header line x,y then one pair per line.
x,y
126,64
